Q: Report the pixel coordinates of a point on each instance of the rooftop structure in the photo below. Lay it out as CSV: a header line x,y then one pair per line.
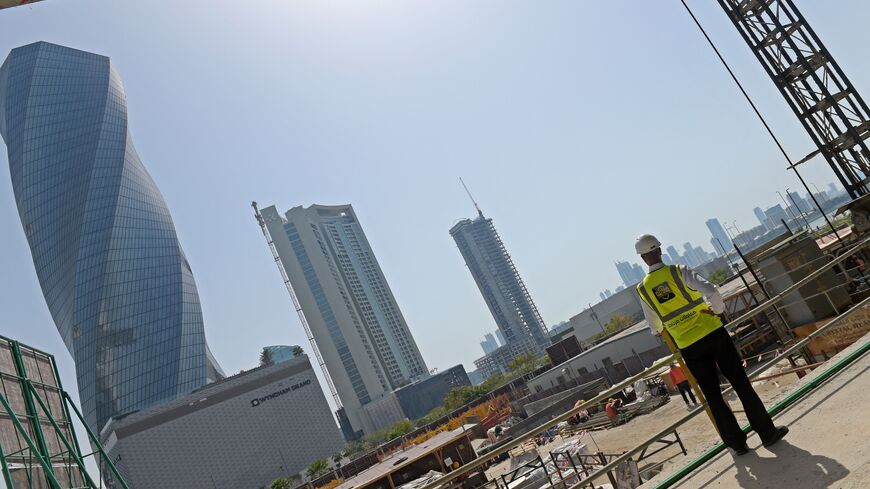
x,y
441,453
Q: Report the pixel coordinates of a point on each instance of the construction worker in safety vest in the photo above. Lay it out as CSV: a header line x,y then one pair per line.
x,y
672,299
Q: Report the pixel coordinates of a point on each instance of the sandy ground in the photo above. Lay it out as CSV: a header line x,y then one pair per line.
x,y
807,438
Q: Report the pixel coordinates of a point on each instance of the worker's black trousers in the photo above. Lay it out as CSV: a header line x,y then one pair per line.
x,y
703,357
685,389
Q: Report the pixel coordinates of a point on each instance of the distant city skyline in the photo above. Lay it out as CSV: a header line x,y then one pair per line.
x,y
352,126
694,256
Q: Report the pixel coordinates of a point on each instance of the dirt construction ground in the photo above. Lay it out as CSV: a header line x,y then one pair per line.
x,y
826,447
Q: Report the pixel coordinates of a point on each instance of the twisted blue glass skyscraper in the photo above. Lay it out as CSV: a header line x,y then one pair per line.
x,y
113,273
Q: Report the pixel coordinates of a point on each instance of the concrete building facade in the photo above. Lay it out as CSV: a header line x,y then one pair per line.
x,y
591,321
423,396
497,362
115,278
283,353
355,320
242,432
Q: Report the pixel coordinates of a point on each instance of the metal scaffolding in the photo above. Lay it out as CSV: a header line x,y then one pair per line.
x,y
815,87
38,444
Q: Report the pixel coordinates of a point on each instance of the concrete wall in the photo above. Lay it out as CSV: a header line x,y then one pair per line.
x,y
624,302
620,356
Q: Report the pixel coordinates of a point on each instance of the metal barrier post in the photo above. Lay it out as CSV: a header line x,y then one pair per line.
x,y
609,472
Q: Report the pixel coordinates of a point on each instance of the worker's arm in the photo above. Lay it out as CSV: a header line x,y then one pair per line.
x,y
652,319
710,291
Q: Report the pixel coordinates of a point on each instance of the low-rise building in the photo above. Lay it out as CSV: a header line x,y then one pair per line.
x,y
591,321
241,432
615,359
425,395
497,362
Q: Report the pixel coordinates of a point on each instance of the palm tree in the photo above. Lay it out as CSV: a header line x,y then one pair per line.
x,y
280,483
297,350
317,468
266,357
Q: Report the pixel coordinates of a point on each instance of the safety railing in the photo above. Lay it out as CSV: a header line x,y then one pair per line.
x,y
519,440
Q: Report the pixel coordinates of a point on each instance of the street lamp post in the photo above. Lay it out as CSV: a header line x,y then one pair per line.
x,y
595,317
791,197
787,207
824,196
739,233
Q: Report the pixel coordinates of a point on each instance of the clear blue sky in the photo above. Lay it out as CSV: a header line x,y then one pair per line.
x,y
578,125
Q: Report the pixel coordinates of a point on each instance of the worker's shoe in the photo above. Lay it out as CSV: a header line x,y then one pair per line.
x,y
778,434
740,451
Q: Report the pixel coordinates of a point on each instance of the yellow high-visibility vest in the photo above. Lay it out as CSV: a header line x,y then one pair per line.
x,y
678,306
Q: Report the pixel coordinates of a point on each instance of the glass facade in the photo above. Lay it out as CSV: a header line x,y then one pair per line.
x,y
112,271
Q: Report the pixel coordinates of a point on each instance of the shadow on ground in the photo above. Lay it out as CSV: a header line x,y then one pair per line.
x,y
791,467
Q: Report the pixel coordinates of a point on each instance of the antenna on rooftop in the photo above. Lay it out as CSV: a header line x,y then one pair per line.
x,y
479,212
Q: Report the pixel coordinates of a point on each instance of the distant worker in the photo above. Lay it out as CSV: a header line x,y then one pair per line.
x,y
682,383
673,300
612,410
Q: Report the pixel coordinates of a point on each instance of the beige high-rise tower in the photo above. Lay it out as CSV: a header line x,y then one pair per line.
x,y
351,311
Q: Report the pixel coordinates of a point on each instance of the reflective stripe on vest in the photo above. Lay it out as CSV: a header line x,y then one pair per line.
x,y
686,323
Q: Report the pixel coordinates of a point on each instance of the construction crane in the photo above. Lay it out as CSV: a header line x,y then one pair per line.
x,y
305,326
479,212
827,104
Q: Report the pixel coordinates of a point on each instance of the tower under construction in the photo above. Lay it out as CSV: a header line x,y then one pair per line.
x,y
503,290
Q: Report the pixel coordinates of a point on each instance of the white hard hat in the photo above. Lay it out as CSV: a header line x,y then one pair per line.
x,y
646,243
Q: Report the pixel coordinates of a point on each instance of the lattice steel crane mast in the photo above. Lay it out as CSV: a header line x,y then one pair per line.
x,y
816,89
296,304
